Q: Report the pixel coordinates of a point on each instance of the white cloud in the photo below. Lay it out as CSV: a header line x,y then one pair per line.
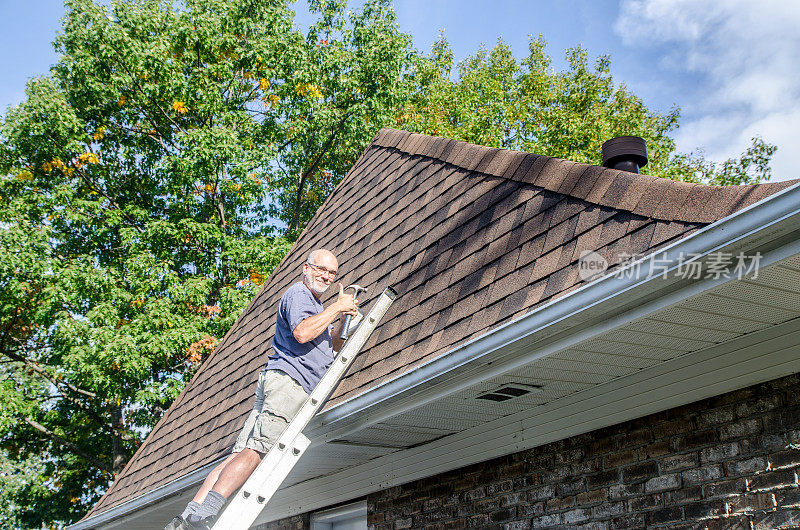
x,y
747,57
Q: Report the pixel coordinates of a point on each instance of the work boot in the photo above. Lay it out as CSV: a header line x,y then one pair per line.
x,y
200,524
177,523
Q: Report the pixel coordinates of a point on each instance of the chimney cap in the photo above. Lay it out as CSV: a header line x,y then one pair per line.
x,y
623,148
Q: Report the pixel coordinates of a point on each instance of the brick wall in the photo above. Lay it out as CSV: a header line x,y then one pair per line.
x,y
731,461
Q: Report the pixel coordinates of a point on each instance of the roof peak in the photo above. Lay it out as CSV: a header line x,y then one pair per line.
x,y
654,197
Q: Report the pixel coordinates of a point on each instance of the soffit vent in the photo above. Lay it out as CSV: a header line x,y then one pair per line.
x,y
509,391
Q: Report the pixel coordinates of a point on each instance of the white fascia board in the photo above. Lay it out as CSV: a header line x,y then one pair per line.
x,y
594,308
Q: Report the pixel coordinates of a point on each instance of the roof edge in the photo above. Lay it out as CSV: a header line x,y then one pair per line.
x,y
654,197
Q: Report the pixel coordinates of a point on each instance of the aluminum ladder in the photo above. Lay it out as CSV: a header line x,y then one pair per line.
x,y
252,497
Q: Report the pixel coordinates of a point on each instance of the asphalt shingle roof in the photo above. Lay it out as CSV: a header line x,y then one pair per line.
x,y
470,237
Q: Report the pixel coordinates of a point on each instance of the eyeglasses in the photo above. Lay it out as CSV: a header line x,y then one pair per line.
x,y
331,274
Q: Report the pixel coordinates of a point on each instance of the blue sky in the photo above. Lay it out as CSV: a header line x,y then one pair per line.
x,y
733,66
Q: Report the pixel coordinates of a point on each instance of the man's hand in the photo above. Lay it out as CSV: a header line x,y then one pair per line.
x,y
311,327
346,304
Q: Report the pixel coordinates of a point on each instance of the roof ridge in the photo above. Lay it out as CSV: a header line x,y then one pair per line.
x,y
654,197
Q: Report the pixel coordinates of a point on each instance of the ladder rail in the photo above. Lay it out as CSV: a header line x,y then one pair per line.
x,y
248,502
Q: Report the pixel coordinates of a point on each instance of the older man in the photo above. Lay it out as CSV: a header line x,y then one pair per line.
x,y
303,347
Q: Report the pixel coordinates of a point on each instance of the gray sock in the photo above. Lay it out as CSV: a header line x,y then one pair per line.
x,y
191,508
212,504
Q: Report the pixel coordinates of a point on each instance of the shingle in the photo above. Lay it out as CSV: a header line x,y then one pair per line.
x,y
696,201
447,148
423,142
531,250
513,302
672,205
587,181
558,281
534,170
618,190
472,158
614,228
406,142
454,157
589,240
601,185
657,191
535,225
523,168
381,136
438,147
566,209
399,137
735,199
715,205
512,162
507,263
553,174
546,264
542,202
588,218
667,230
560,234
641,239
487,158
753,194
573,177
619,249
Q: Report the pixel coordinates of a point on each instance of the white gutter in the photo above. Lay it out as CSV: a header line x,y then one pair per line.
x,y
769,220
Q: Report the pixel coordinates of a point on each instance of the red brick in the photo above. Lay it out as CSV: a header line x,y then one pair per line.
x,y
591,497
724,488
772,479
787,458
668,464
665,515
620,458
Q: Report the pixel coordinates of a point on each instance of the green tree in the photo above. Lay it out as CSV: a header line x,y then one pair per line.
x,y
138,183
350,79
493,99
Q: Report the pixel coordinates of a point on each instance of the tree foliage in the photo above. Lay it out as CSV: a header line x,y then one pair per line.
x,y
348,83
138,182
493,99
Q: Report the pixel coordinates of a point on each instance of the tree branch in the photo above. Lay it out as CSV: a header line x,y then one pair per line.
x,y
102,192
69,445
312,168
60,384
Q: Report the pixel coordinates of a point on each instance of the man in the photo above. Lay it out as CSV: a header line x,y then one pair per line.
x,y
303,348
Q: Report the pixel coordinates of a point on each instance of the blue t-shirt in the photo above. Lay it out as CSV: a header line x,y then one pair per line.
x,y
305,363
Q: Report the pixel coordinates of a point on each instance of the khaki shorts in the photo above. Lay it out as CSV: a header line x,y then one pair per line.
x,y
278,398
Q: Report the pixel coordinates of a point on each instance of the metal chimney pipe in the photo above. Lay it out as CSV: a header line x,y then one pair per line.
x,y
626,153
